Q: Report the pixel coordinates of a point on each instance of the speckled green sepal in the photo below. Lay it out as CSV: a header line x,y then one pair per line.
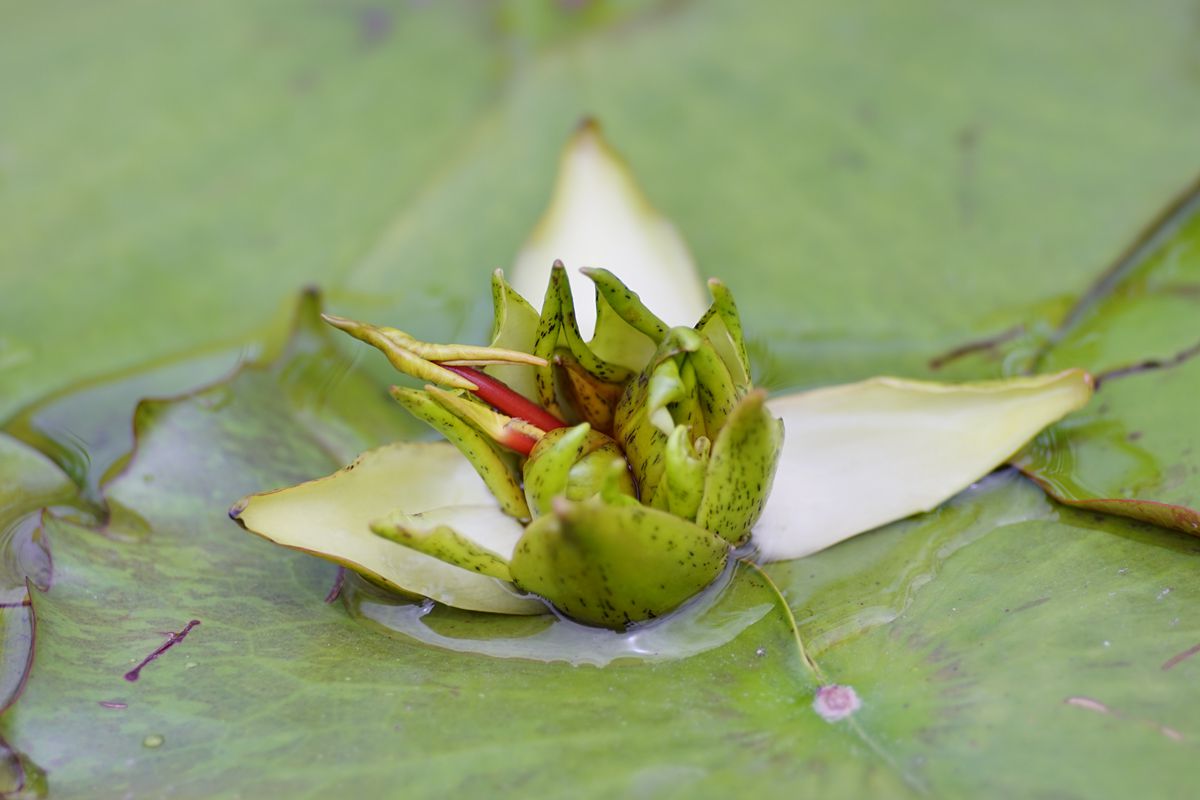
x,y
741,470
441,542
514,327
603,370
497,468
615,565
627,305
683,476
574,463
722,325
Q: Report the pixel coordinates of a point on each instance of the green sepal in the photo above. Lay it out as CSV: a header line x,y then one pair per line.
x,y
514,327
741,470
627,304
685,383
496,468
641,441
617,341
573,463
603,370
441,542
614,565
722,325
665,389
617,486
545,343
715,389
684,473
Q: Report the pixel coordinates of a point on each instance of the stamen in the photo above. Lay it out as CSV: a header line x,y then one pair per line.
x,y
498,395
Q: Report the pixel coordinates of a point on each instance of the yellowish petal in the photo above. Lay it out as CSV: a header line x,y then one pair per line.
x,y
598,217
330,517
865,454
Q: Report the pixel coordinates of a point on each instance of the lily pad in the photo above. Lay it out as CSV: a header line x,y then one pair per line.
x,y
28,483
1131,452
878,185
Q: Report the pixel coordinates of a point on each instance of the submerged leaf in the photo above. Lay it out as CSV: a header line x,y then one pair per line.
x,y
861,455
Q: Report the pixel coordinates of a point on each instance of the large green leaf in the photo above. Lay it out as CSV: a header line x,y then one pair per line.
x,y
878,184
274,676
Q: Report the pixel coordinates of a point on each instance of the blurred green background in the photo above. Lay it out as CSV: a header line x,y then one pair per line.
x,y
876,180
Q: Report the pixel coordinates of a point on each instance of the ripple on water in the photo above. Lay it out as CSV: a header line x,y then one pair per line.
x,y
711,619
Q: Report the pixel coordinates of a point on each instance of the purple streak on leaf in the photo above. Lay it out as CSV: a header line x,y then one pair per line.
x,y
335,591
1150,365
990,344
172,640
1186,654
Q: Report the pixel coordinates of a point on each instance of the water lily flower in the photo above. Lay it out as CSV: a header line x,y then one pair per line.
x,y
608,457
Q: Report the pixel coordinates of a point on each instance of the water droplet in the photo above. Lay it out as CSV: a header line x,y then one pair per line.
x,y
153,740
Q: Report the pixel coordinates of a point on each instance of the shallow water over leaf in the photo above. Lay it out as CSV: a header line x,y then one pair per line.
x,y
714,618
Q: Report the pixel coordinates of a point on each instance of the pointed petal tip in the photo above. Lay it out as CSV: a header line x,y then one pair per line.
x,y
402,393
340,323
590,125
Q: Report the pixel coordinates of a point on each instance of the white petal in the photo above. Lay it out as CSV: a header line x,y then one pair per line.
x,y
861,455
330,517
598,217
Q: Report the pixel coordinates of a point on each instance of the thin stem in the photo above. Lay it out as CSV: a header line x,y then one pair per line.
x,y
805,658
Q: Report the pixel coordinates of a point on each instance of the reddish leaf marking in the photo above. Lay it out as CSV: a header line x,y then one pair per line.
x,y
336,591
117,704
1186,654
989,344
1095,705
1089,704
172,640
498,395
1183,356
